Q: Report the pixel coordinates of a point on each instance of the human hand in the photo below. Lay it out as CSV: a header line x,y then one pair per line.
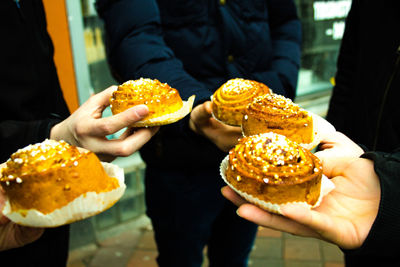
x,y
223,136
86,128
13,235
337,145
344,217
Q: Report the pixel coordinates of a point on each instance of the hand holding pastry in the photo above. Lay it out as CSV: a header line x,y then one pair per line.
x,y
222,135
86,128
13,235
345,215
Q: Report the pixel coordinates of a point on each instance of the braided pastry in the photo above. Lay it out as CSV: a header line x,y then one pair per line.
x,y
276,113
164,102
269,169
53,183
229,101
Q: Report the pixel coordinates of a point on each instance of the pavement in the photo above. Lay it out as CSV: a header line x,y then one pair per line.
x,y
132,245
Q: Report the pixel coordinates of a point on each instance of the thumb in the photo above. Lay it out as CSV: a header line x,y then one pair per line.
x,y
201,114
335,166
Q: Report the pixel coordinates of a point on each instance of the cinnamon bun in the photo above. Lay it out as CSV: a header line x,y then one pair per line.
x,y
269,169
230,100
53,183
164,102
276,113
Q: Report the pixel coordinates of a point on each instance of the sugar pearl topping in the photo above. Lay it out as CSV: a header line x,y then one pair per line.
x,y
272,158
144,89
38,158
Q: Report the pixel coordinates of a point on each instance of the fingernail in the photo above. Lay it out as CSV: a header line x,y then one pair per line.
x,y
237,212
142,110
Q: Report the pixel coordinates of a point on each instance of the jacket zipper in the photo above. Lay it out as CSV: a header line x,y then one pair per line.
x,y
382,106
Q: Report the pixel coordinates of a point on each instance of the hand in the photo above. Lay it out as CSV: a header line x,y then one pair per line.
x,y
86,128
345,215
13,235
338,145
223,136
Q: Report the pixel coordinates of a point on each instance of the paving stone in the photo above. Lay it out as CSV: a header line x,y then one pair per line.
x,y
147,241
258,262
128,239
111,256
266,232
292,263
82,252
77,263
302,249
332,253
143,258
333,264
267,248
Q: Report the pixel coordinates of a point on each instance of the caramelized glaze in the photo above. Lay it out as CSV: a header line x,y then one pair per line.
x,y
276,113
230,100
49,175
274,169
159,97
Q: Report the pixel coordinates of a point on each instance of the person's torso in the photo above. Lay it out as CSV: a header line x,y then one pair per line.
x,y
218,40
29,84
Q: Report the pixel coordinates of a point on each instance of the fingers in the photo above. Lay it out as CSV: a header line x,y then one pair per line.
x,y
25,235
103,98
231,195
200,114
274,221
110,125
124,146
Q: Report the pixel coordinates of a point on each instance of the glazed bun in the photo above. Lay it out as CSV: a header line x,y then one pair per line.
x,y
230,100
278,114
270,170
53,183
164,102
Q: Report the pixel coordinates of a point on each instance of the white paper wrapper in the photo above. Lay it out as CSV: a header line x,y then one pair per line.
x,y
84,206
168,118
321,129
326,187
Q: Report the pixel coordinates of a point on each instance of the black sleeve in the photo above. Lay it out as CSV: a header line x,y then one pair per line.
x,y
18,134
381,246
342,101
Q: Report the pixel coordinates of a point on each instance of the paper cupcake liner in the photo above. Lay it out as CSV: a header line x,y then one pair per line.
x,y
168,118
326,187
82,207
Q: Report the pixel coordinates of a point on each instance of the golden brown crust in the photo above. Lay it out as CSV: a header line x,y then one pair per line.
x,y
160,98
49,175
275,113
230,100
274,169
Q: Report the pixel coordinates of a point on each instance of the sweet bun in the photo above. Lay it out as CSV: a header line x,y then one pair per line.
x,y
270,170
53,183
230,100
278,114
164,102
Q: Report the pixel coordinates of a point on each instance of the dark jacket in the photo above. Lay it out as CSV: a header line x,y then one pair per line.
x,y
364,104
381,246
31,102
196,46
31,99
